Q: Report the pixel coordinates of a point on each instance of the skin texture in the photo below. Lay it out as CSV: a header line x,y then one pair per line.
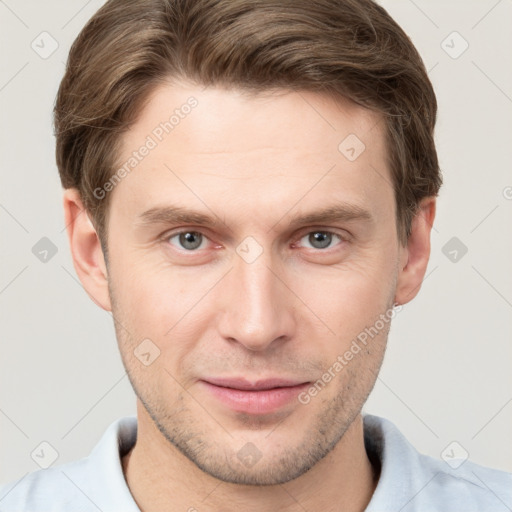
x,y
254,163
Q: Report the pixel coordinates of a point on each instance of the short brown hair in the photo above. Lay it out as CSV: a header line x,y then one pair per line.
x,y
349,49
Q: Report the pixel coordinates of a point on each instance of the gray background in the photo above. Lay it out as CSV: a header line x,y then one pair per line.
x,y
446,375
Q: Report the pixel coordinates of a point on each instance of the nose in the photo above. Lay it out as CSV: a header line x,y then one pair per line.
x,y
256,305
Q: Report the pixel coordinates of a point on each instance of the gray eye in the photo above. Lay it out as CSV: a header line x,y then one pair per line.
x,y
320,239
189,240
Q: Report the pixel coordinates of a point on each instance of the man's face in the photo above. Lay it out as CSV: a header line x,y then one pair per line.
x,y
256,296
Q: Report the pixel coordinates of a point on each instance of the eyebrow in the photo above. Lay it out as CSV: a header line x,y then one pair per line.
x,y
181,215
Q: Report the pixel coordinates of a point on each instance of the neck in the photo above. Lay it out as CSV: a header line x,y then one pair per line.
x,y
162,479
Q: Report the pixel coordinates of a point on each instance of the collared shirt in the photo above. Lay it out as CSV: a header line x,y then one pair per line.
x,y
408,482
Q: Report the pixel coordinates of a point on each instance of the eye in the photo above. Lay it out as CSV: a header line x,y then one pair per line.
x,y
321,239
187,240
193,241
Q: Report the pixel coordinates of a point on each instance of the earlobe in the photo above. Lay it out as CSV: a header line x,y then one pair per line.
x,y
415,255
86,250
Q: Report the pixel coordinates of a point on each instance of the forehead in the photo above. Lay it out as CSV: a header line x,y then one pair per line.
x,y
279,147
216,111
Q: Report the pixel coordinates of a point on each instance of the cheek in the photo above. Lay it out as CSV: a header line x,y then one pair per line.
x,y
347,298
165,306
151,299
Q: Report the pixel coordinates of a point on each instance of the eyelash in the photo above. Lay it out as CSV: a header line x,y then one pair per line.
x,y
343,239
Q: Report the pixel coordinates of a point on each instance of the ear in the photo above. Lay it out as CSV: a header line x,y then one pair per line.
x,y
86,251
415,255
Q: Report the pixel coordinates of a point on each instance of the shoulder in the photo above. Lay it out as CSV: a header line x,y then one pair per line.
x,y
413,481
51,489
471,485
93,483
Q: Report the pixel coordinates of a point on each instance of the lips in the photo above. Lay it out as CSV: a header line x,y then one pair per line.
x,y
257,397
246,385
